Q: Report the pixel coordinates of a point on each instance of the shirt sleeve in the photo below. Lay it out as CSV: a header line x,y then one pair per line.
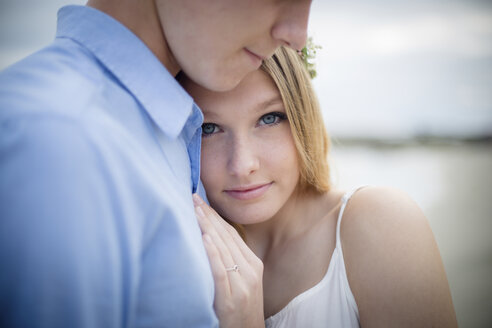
x,y
60,255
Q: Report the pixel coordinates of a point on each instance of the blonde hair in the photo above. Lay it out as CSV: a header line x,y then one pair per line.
x,y
288,72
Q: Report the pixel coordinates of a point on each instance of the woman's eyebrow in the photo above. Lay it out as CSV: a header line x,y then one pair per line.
x,y
269,102
211,115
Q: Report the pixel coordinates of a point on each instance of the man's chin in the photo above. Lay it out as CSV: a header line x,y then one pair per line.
x,y
222,82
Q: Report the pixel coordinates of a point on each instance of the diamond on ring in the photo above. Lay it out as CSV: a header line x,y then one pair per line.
x,y
234,268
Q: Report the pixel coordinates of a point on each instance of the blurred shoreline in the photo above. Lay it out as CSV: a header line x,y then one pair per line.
x,y
419,140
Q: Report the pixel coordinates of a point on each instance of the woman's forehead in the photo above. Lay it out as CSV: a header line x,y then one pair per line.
x,y
257,91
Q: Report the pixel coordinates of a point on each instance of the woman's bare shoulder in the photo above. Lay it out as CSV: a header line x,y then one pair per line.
x,y
377,211
393,262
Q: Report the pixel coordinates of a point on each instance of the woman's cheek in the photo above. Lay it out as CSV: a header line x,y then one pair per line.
x,y
211,170
277,142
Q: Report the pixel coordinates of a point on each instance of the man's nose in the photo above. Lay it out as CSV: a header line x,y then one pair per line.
x,y
290,28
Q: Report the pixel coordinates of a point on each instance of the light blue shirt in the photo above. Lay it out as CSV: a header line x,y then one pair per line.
x,y
99,156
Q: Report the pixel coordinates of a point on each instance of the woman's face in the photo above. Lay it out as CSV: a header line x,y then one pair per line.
x,y
249,164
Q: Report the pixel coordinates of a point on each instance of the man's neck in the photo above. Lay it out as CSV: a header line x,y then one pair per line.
x,y
141,18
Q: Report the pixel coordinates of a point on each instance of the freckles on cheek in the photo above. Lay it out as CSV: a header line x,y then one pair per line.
x,y
287,157
281,159
280,147
210,168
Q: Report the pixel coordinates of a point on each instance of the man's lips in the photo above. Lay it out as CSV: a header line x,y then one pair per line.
x,y
257,59
248,192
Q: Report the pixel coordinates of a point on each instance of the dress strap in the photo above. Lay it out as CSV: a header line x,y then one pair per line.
x,y
345,200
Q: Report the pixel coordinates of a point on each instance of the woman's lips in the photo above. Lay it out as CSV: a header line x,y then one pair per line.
x,y
248,192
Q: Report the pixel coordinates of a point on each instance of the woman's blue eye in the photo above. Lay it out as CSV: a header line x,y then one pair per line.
x,y
272,118
208,128
269,119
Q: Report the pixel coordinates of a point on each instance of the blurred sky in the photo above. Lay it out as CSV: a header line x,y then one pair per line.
x,y
388,68
392,68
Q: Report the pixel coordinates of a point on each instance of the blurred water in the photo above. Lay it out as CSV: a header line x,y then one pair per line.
x,y
453,185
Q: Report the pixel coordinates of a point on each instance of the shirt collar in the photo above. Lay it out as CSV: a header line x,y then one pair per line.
x,y
131,62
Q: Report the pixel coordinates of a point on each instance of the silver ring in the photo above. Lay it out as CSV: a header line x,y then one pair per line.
x,y
234,268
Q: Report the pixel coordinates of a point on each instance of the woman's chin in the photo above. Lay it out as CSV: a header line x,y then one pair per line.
x,y
246,218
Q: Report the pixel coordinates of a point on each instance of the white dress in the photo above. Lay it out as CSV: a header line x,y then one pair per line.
x,y
330,303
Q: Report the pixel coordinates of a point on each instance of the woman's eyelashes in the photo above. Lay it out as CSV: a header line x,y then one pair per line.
x,y
209,129
273,118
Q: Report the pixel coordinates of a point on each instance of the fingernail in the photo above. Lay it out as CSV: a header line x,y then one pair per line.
x,y
199,212
196,200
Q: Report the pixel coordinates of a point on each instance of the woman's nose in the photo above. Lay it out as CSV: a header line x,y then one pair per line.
x,y
243,159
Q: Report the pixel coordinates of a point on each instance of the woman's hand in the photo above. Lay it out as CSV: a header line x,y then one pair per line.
x,y
238,273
